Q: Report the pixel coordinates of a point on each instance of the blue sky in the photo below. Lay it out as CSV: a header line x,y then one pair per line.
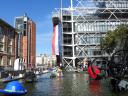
x,y
40,11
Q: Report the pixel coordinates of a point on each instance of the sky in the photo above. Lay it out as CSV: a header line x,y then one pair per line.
x,y
40,11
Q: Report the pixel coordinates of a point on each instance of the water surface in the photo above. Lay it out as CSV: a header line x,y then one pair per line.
x,y
72,84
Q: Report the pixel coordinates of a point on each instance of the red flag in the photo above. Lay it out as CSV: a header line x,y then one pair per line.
x,y
53,41
93,71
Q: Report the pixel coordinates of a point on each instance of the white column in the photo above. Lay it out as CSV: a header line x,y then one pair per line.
x,y
73,49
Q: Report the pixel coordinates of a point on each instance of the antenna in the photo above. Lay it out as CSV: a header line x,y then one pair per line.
x,y
25,14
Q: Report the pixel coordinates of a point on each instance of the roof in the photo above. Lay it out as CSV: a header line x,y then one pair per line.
x,y
6,24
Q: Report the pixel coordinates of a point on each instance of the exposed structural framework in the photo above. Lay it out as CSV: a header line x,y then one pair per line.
x,y
84,23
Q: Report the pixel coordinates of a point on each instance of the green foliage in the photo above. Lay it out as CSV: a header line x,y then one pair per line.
x,y
117,38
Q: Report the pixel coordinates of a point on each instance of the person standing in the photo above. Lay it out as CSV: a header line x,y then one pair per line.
x,y
85,64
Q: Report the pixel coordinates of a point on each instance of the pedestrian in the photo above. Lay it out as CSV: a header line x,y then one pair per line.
x,y
85,64
9,76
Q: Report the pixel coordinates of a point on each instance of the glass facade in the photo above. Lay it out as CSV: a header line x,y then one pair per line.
x,y
84,26
98,26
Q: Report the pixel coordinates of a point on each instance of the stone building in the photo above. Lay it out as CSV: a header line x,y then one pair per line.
x,y
8,44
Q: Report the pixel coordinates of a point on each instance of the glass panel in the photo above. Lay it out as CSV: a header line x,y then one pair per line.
x,y
1,60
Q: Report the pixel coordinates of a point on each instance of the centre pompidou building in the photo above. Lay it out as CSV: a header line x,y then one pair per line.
x,y
83,25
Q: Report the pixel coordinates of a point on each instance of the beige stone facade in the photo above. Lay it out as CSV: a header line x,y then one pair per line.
x,y
8,43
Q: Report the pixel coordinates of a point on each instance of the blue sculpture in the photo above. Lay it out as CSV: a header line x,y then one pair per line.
x,y
14,88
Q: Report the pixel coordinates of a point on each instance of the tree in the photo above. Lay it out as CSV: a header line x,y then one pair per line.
x,y
116,40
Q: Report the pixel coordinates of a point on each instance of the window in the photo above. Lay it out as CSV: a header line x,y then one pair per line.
x,y
9,61
67,51
20,27
9,42
9,49
1,60
96,52
0,29
25,26
67,39
1,48
24,34
1,39
67,27
67,18
1,35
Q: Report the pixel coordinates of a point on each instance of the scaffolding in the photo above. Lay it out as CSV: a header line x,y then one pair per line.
x,y
84,24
